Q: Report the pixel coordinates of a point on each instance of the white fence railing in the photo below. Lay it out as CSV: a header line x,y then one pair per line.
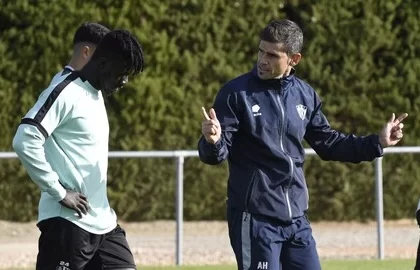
x,y
180,155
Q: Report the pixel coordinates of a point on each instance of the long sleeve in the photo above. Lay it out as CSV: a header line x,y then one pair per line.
x,y
51,110
225,106
330,144
28,144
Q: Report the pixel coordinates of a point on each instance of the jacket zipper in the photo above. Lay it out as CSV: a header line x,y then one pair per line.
x,y
283,116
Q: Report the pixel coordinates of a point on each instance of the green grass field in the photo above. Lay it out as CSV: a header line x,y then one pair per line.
x,y
326,265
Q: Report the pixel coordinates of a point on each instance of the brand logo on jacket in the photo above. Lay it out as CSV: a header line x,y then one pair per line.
x,y
301,109
255,110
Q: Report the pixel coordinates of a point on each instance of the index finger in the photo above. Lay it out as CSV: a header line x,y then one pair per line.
x,y
400,118
206,116
82,196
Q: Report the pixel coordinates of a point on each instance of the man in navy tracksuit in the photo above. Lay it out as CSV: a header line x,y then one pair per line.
x,y
262,118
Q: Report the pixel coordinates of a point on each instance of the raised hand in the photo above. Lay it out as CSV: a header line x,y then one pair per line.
x,y
76,201
210,127
392,132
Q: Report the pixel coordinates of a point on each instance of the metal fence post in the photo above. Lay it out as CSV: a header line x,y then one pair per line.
x,y
179,208
379,207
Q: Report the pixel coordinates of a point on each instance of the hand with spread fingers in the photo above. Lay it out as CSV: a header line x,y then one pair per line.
x,y
210,127
392,132
76,201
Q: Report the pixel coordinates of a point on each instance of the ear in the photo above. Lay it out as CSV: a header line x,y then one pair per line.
x,y
295,59
86,52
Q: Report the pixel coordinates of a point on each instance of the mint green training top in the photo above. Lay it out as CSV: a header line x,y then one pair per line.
x,y
63,144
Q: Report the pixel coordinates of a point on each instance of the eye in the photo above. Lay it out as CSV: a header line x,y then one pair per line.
x,y
272,55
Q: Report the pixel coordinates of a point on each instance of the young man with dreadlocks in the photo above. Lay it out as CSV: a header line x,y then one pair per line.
x,y
85,40
63,144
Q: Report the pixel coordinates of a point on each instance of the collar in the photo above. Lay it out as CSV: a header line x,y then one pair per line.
x,y
70,68
67,69
278,84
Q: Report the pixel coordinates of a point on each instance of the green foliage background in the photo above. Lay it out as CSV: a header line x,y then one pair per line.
x,y
361,56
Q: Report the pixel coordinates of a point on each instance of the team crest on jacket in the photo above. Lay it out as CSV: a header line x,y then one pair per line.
x,y
301,109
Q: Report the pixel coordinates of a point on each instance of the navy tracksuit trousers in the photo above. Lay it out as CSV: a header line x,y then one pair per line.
x,y
260,242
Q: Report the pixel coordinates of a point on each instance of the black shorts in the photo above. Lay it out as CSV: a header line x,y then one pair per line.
x,y
65,246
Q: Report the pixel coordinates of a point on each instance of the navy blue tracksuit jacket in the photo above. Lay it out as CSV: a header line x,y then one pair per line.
x,y
263,125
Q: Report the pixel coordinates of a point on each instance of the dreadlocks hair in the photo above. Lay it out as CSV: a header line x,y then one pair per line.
x,y
90,32
121,43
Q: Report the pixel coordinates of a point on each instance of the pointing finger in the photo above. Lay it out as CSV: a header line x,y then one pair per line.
x,y
400,118
206,116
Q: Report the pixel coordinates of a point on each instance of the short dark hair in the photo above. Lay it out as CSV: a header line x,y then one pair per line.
x,y
286,32
121,43
90,32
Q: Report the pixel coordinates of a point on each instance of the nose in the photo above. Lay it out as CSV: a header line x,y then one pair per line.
x,y
263,59
125,79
